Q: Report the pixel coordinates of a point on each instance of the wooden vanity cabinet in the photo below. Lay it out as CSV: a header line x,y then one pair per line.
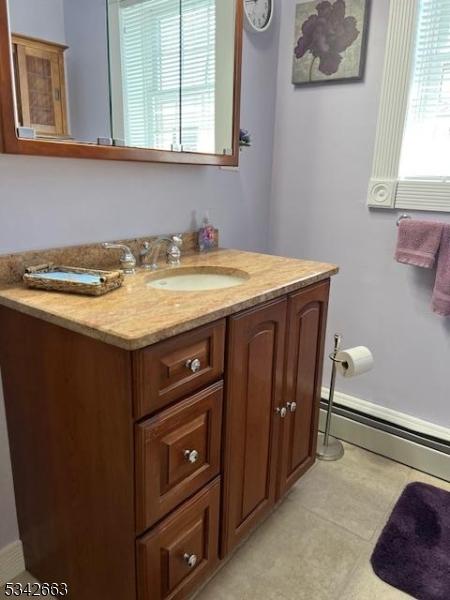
x,y
134,472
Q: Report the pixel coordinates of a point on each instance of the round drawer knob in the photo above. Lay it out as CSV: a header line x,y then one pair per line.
x,y
191,456
282,412
292,406
190,559
194,365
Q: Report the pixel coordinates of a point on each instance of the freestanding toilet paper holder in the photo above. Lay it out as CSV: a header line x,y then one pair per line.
x,y
329,448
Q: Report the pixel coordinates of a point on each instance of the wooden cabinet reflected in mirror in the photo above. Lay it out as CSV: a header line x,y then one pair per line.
x,y
40,87
149,80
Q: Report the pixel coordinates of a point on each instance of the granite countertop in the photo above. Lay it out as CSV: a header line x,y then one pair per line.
x,y
137,315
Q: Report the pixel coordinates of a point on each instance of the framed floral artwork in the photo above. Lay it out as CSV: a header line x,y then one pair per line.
x,y
330,41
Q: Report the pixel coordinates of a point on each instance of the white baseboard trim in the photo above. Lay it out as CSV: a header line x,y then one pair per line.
x,y
405,451
389,415
11,562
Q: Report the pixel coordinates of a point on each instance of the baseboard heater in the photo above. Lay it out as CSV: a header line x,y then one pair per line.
x,y
387,427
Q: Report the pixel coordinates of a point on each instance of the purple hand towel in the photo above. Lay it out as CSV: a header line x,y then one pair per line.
x,y
441,293
418,242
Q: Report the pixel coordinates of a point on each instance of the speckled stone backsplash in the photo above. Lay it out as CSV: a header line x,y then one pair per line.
x,y
91,256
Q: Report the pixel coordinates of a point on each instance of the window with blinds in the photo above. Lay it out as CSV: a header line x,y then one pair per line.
x,y
426,142
168,54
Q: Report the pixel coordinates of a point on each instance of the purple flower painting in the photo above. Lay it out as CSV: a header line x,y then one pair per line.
x,y
330,41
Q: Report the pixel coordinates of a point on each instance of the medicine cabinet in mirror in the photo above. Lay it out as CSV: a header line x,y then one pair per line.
x,y
150,80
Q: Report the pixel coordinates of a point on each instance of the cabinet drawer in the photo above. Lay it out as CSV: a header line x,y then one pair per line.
x,y
177,452
176,367
180,553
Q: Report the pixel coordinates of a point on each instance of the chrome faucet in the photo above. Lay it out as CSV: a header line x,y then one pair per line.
x,y
149,254
127,260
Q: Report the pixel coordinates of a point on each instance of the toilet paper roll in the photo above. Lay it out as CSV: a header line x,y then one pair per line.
x,y
355,361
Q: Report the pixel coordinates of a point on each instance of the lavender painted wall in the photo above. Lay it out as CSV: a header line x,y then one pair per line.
x,y
43,20
87,68
322,163
52,202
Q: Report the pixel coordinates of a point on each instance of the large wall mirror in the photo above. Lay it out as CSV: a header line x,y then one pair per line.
x,y
155,80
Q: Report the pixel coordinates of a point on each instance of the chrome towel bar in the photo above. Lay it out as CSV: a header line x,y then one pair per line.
x,y
402,217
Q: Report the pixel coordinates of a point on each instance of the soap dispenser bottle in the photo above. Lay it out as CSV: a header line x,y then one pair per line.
x,y
206,235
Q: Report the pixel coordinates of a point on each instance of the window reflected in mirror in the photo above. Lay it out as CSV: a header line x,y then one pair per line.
x,y
172,69
155,74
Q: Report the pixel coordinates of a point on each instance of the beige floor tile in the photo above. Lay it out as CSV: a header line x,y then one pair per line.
x,y
237,583
240,578
424,478
365,585
355,492
317,545
295,555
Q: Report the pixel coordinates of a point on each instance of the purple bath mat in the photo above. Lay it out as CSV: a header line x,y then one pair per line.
x,y
413,552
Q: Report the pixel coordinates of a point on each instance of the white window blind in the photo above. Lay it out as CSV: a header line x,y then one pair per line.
x,y
426,142
168,72
198,44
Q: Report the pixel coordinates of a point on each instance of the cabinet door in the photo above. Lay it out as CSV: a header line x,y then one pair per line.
x,y
254,392
307,314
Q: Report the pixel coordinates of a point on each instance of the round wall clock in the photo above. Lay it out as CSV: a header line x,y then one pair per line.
x,y
259,14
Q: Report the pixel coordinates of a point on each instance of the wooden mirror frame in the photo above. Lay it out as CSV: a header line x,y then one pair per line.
x,y
11,144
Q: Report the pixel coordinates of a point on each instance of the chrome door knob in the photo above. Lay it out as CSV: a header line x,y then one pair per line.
x,y
191,456
282,412
190,559
292,406
194,365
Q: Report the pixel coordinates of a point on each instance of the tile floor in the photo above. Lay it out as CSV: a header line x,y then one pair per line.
x,y
318,543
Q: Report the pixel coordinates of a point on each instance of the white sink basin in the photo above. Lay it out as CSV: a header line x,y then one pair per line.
x,y
196,279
